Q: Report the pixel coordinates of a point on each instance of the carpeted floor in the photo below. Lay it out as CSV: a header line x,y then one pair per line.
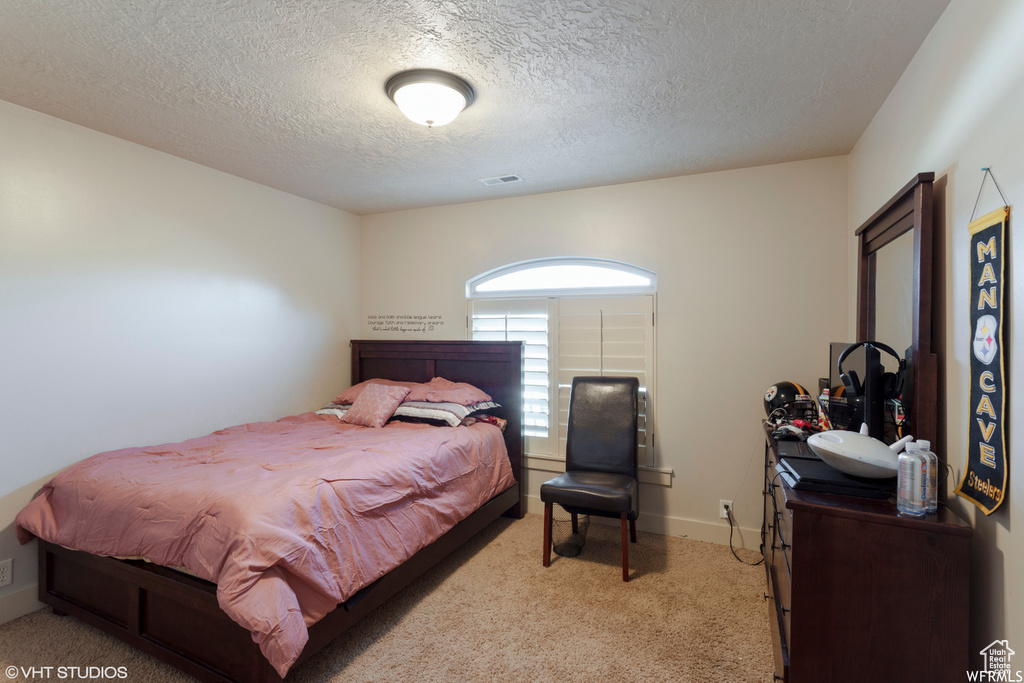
x,y
491,612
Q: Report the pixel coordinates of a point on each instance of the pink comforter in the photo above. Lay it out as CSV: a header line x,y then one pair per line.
x,y
288,518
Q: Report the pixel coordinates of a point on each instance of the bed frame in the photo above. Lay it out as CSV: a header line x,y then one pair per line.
x,y
175,617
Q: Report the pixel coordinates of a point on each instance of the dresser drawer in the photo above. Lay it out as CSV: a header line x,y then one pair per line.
x,y
779,657
769,525
782,588
778,627
784,520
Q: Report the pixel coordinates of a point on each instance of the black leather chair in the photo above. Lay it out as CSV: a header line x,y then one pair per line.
x,y
600,458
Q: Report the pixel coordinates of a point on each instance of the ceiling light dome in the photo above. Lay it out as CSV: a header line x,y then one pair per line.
x,y
429,97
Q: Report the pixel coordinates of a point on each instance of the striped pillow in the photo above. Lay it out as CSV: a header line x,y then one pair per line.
x,y
451,414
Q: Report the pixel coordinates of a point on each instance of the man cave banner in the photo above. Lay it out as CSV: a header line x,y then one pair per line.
x,y
984,480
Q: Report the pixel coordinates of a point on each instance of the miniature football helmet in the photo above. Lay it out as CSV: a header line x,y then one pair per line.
x,y
788,401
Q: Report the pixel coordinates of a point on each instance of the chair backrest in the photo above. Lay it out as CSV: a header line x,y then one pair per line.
x,y
602,427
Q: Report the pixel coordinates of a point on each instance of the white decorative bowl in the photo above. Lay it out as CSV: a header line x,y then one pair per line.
x,y
857,454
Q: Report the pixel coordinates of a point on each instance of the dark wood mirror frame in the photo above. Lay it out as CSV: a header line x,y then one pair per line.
x,y
909,209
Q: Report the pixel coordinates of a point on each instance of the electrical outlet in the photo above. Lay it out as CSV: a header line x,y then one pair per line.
x,y
6,571
722,505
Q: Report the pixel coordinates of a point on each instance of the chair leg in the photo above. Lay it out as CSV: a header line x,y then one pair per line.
x,y
575,523
632,530
625,551
547,534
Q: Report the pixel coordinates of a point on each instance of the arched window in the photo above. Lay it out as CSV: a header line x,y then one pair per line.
x,y
576,316
562,276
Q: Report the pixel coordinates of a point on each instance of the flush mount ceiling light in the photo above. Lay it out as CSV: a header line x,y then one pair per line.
x,y
429,97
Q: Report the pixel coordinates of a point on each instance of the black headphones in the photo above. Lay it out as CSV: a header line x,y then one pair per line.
x,y
892,382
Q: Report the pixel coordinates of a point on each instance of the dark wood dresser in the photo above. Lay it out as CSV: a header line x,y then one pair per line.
x,y
859,593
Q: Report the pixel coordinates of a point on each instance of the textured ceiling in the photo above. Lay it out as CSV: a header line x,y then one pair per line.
x,y
290,93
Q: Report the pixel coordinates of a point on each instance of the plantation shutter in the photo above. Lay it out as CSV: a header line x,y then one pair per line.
x,y
526,320
607,337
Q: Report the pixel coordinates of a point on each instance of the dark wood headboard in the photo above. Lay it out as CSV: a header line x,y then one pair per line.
x,y
494,367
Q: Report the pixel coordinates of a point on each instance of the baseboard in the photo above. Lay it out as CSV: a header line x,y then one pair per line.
x,y
677,526
19,603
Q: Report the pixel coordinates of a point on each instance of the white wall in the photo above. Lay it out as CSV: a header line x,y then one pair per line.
x,y
146,299
752,271
957,109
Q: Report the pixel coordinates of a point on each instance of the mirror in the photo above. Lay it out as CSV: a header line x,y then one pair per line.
x,y
894,297
894,294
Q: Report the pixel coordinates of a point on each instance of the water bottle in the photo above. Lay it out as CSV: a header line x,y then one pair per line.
x,y
910,491
931,499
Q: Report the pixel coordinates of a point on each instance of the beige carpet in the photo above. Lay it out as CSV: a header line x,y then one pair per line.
x,y
491,612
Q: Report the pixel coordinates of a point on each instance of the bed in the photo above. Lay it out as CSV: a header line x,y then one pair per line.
x,y
176,617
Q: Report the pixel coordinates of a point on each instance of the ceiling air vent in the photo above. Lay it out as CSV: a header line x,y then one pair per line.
x,y
502,180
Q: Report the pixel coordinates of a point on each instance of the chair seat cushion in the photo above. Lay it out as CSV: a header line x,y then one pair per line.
x,y
598,491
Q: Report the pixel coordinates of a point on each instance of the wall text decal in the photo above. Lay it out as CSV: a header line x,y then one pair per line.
x,y
404,324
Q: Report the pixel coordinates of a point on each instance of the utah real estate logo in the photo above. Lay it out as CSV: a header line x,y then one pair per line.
x,y
997,656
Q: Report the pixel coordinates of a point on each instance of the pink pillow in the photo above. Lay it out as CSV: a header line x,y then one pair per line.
x,y
352,393
441,390
375,405
437,390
